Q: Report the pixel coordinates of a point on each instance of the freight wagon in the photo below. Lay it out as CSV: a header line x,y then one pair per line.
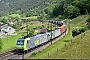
x,y
62,29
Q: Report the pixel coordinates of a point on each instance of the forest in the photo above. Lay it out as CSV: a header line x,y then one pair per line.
x,y
23,6
54,8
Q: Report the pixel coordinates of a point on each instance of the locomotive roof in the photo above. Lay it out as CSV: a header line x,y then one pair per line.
x,y
21,39
37,35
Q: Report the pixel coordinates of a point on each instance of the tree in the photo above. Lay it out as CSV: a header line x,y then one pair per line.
x,y
1,44
83,5
48,10
16,18
71,11
58,10
31,32
88,6
78,30
88,22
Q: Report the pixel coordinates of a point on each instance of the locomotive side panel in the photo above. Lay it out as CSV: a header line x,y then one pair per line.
x,y
37,40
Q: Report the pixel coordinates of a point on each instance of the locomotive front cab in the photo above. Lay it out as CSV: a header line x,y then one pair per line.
x,y
20,45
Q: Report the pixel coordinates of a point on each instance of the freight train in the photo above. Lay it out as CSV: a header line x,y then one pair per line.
x,y
30,42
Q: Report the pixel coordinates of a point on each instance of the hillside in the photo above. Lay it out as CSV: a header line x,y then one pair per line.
x,y
22,6
77,49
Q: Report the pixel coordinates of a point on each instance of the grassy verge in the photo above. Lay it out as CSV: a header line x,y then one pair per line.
x,y
79,48
9,43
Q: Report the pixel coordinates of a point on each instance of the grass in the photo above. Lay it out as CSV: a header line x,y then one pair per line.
x,y
79,48
79,21
33,24
19,16
65,52
10,44
33,17
15,15
12,15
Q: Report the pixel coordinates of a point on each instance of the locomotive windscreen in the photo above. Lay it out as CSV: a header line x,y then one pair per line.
x,y
20,42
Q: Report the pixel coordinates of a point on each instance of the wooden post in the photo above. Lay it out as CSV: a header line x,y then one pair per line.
x,y
48,54
65,45
81,36
55,24
57,49
51,33
7,36
23,55
27,26
71,40
48,26
84,33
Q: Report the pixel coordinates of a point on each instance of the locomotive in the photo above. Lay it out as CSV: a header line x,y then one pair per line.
x,y
30,42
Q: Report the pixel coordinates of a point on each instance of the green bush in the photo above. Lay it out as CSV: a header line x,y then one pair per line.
x,y
33,54
31,31
1,44
88,20
76,31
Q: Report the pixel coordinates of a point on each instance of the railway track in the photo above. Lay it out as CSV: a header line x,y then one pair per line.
x,y
6,54
12,53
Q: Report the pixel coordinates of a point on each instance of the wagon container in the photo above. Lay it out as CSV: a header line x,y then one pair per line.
x,y
62,29
43,30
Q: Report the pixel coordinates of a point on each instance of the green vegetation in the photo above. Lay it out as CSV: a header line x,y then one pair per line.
x,y
52,8
66,41
76,31
9,42
79,48
69,9
1,44
88,20
24,7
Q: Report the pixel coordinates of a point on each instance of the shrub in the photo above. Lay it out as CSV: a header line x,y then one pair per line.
x,y
33,54
88,20
76,31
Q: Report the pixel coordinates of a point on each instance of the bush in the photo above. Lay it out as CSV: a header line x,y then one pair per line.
x,y
76,31
33,54
31,31
88,20
1,44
